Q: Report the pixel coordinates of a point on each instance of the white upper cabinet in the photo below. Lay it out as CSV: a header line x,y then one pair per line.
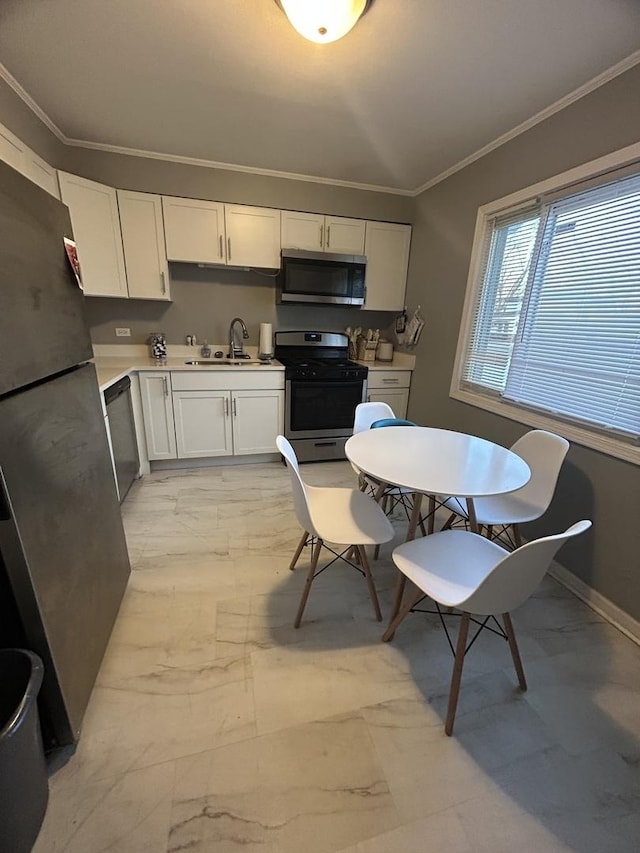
x,y
194,230
344,236
253,236
96,228
18,155
145,254
387,251
319,233
302,231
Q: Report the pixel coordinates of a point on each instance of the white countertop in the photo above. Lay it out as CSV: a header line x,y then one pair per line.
x,y
112,366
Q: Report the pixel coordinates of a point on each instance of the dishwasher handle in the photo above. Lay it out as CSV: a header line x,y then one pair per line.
x,y
114,391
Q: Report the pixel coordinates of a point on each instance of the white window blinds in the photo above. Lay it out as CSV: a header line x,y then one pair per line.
x,y
505,266
557,322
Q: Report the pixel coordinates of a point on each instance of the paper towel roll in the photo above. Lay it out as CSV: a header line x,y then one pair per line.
x,y
266,339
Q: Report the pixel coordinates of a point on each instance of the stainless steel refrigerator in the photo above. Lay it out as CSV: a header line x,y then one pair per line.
x,y
63,556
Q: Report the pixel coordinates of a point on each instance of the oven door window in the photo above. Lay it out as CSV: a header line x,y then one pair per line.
x,y
324,405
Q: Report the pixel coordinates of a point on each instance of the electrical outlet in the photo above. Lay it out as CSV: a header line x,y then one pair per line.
x,y
123,333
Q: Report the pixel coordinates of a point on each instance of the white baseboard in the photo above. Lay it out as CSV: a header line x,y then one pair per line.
x,y
629,626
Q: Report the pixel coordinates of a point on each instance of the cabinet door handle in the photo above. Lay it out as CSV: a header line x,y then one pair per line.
x,y
228,248
321,234
328,236
235,408
220,242
226,406
392,381
165,386
164,283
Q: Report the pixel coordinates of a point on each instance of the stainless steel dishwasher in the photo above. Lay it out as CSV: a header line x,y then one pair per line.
x,y
126,462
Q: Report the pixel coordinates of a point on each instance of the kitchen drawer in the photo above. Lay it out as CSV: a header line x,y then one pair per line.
x,y
389,379
228,379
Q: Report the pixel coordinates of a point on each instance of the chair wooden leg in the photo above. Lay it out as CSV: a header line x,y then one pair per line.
x,y
397,602
449,521
301,545
471,512
366,568
517,538
432,513
515,653
457,673
383,504
489,531
415,516
412,600
309,581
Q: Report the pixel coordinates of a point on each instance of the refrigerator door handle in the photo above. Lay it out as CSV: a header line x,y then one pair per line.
x,y
5,508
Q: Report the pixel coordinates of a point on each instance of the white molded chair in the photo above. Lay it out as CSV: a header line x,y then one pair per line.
x,y
342,516
544,452
462,570
367,414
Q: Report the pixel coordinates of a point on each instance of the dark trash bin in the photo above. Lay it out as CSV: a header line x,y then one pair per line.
x,y
24,789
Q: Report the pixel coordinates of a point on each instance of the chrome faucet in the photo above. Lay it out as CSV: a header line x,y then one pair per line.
x,y
236,350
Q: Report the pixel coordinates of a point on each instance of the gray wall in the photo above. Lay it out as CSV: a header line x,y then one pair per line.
x,y
592,485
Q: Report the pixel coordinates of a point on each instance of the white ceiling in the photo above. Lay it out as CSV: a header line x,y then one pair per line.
x,y
415,88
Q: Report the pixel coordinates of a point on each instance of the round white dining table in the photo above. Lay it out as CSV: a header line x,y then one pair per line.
x,y
431,461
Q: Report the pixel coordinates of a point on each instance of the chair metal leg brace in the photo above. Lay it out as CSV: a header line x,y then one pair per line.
x,y
364,569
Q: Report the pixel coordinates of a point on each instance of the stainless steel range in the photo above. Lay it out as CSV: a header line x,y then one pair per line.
x,y
322,390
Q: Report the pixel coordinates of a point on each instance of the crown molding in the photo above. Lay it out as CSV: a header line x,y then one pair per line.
x,y
546,113
232,167
35,108
593,84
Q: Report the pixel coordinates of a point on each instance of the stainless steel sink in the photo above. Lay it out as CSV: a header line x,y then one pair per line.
x,y
219,362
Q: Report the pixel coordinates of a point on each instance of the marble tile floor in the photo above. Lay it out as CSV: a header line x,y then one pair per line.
x,y
215,727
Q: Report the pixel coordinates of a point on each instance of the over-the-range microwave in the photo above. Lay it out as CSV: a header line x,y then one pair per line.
x,y
321,277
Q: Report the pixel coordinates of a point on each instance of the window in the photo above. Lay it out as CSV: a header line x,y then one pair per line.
x,y
552,318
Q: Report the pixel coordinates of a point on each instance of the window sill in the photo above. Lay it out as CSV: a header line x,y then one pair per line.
x,y
572,432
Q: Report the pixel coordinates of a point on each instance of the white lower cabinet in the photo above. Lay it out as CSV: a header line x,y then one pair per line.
x,y
391,387
258,418
203,423
157,408
214,413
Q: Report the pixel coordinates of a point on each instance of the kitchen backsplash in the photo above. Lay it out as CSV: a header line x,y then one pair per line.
x,y
204,303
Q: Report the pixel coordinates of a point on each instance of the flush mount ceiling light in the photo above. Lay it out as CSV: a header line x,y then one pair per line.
x,y
323,21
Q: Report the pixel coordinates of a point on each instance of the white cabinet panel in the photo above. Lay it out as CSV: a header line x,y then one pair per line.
x,y
397,398
258,417
143,241
96,229
253,236
157,406
320,233
302,231
344,236
203,423
12,150
194,230
41,173
387,251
